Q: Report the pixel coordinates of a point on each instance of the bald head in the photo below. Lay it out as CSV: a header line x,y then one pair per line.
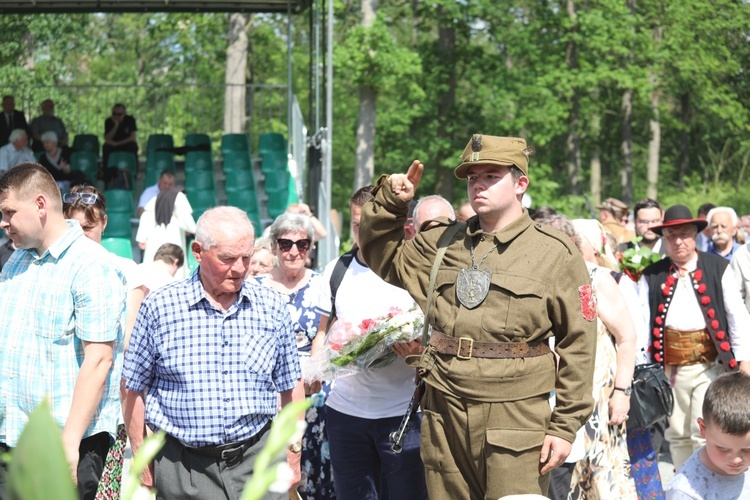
x,y
432,207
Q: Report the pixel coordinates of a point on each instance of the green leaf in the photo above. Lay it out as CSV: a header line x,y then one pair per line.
x,y
39,469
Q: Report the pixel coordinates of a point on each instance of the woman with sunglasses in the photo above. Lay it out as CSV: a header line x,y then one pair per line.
x,y
291,238
87,205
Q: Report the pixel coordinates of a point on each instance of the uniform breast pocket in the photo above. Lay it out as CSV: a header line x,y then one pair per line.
x,y
445,295
515,307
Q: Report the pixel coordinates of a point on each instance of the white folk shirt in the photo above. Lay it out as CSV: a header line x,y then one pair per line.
x,y
685,313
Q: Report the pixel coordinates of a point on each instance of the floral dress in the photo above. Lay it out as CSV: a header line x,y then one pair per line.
x,y
604,473
315,466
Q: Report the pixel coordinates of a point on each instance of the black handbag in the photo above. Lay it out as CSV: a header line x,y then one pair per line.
x,y
652,398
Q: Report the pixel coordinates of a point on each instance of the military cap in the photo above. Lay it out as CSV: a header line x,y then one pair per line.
x,y
615,207
492,150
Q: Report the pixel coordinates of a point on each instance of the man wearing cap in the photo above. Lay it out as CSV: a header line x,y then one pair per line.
x,y
504,287
698,321
612,213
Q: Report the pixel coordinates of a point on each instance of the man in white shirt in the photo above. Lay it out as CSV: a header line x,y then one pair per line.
x,y
166,181
16,151
699,324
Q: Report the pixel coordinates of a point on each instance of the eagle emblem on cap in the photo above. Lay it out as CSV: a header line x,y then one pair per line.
x,y
476,143
529,151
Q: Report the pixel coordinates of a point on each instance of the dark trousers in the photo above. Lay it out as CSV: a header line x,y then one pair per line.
x,y
181,472
361,454
111,174
91,456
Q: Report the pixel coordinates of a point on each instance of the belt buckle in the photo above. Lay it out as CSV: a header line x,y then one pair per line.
x,y
471,347
229,453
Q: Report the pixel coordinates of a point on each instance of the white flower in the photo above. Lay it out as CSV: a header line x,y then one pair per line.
x,y
636,258
284,476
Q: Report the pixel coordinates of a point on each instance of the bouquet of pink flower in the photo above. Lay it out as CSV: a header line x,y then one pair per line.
x,y
352,348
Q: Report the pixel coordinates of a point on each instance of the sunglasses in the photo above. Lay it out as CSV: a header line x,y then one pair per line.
x,y
86,198
285,245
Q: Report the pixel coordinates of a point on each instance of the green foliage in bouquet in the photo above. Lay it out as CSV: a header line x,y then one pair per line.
x,y
635,260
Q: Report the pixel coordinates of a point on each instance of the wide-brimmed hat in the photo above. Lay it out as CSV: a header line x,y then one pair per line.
x,y
492,150
678,215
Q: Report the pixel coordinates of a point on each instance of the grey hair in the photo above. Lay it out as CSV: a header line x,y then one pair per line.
x,y
49,136
564,224
262,242
16,134
728,210
290,223
432,197
231,220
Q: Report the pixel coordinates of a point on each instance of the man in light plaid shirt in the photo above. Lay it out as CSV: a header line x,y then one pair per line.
x,y
212,353
62,306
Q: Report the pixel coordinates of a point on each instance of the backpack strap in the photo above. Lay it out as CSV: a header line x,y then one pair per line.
x,y
337,276
445,239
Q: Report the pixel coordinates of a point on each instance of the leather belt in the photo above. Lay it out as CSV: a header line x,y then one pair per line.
x,y
229,452
688,347
466,348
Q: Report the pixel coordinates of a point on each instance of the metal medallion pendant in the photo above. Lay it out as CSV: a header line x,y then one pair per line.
x,y
472,286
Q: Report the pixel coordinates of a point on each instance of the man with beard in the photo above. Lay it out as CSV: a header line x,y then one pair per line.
x,y
648,213
723,224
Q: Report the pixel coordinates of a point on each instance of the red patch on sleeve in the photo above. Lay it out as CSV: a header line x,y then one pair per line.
x,y
588,304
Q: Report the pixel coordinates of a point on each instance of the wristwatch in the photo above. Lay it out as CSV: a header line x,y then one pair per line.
x,y
295,447
627,390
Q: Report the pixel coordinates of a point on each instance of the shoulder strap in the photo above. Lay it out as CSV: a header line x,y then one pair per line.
x,y
337,276
443,242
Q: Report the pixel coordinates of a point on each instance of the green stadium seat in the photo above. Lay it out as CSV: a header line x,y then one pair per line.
x,y
234,142
152,177
86,143
276,181
119,246
236,160
192,140
201,198
88,163
38,154
118,226
199,160
158,141
274,161
277,203
123,160
199,180
190,261
119,200
158,161
247,200
239,180
271,142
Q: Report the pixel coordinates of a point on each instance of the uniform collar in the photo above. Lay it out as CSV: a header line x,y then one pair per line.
x,y
505,235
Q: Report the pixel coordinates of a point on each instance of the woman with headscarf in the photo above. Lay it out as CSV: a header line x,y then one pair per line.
x,y
168,218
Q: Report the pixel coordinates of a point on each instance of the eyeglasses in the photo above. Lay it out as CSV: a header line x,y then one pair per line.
x,y
285,245
86,198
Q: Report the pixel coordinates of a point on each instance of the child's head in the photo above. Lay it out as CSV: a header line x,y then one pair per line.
x,y
726,424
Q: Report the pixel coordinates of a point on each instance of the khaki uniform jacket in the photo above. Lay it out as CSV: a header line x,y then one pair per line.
x,y
535,293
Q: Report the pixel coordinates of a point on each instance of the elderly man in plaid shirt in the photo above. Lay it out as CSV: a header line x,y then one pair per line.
x,y
63,315
212,353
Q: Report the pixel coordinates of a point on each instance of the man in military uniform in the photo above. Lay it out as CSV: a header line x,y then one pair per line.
x,y
504,287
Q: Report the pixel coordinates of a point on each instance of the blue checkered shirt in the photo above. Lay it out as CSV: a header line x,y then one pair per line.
x,y
49,304
213,377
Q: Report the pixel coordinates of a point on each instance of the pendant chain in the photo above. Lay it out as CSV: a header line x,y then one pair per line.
x,y
471,246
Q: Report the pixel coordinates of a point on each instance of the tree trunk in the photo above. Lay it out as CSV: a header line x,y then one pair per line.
x,y
446,181
368,102
654,125
596,161
684,140
572,142
236,67
626,179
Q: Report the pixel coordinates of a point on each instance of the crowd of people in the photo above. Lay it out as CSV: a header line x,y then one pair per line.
x,y
524,382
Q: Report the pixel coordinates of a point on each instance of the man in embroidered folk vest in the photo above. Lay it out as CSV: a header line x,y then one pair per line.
x,y
699,324
504,287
